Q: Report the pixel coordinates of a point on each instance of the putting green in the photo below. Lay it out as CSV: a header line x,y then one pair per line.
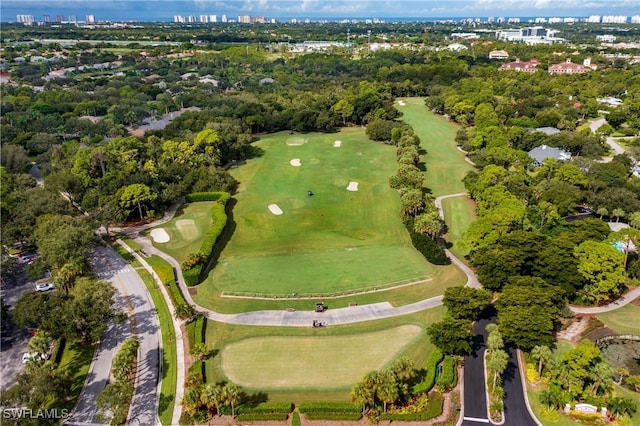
x,y
625,320
320,362
334,240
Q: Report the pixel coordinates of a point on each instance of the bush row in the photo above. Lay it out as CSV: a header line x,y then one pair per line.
x,y
430,376
434,409
448,377
333,416
261,417
192,270
195,197
328,407
428,247
267,408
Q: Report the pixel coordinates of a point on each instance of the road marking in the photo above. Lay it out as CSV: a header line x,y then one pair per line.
x,y
475,419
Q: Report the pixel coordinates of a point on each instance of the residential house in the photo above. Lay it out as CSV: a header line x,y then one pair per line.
x,y
544,152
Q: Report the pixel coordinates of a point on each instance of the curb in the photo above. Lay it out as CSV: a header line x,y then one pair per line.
x,y
523,377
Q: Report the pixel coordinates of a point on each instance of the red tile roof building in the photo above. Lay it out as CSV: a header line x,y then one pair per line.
x,y
527,66
568,67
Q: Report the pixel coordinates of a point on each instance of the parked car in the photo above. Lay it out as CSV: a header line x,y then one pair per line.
x,y
44,287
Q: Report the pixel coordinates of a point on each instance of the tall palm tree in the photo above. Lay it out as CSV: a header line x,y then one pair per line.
x,y
495,341
412,202
602,212
428,223
191,400
231,395
211,396
497,362
618,213
362,395
388,389
634,220
601,374
542,354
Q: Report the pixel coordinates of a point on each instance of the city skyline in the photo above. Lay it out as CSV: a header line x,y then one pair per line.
x,y
165,10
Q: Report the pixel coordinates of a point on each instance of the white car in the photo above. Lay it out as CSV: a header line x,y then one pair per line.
x,y
44,287
29,356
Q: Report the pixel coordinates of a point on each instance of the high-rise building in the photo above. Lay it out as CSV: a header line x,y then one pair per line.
x,y
59,18
635,19
610,19
244,19
594,19
25,19
192,19
204,19
224,18
213,18
72,18
46,18
179,19
90,19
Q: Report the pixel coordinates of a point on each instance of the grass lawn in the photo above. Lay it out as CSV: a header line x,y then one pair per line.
x,y
170,356
442,278
75,361
186,230
445,164
625,320
459,212
332,359
334,240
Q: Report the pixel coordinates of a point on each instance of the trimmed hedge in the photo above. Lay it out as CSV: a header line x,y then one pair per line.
x,y
267,408
434,409
430,377
333,416
448,377
428,247
261,417
328,407
192,272
195,197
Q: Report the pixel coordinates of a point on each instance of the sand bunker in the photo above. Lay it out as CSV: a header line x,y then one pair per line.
x,y
295,141
187,229
353,186
337,144
159,235
401,103
295,162
273,208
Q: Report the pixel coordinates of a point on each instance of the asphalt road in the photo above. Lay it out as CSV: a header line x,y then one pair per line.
x,y
475,397
133,298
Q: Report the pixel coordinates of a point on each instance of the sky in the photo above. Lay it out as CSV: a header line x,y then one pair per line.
x,y
163,10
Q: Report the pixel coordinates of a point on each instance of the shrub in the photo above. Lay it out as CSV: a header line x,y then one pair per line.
x,y
448,378
432,410
267,408
333,416
430,376
261,417
195,197
328,407
428,247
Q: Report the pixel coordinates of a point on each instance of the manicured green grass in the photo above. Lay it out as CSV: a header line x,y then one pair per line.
x,y
445,164
169,354
442,278
75,362
186,230
625,320
459,212
333,240
309,362
417,349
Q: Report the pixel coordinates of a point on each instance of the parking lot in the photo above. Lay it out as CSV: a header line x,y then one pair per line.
x,y
14,339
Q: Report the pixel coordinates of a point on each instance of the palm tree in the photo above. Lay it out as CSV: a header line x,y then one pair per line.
x,y
552,399
428,223
191,400
634,220
412,202
231,395
618,213
66,276
542,354
622,406
494,340
211,396
361,395
601,375
388,389
497,362
622,373
602,212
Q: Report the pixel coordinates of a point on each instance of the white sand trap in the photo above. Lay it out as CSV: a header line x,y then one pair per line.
x,y
187,229
337,144
353,186
159,235
295,162
273,208
401,103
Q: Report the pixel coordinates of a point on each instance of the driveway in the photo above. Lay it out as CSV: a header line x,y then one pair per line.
x,y
143,323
